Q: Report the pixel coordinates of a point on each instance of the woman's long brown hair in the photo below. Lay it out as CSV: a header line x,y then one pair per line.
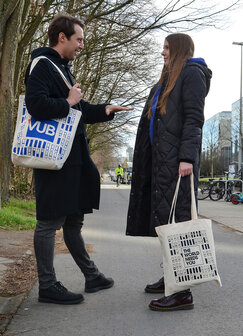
x,y
181,49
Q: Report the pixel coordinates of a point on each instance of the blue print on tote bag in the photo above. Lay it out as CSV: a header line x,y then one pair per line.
x,y
45,130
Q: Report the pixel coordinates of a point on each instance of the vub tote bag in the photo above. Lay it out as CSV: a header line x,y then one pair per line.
x,y
187,249
44,144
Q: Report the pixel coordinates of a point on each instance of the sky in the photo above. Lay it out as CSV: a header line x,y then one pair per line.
x,y
222,57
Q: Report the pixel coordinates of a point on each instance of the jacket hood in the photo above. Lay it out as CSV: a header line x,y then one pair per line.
x,y
48,52
52,54
200,63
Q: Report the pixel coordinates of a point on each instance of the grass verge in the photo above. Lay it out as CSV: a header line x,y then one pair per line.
x,y
18,215
207,179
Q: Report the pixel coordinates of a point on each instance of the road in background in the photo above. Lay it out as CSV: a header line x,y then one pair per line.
x,y
133,262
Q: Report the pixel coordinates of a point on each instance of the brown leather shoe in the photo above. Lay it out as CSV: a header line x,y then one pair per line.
x,y
178,301
157,287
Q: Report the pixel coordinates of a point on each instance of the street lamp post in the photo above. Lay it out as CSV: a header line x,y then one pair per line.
x,y
240,126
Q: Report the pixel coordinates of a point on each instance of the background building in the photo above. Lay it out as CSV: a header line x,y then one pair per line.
x,y
235,131
216,144
129,154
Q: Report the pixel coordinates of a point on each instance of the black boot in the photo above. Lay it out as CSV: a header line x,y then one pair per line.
x,y
57,293
157,287
179,301
99,283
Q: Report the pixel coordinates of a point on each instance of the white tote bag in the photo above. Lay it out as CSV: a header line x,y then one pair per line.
x,y
44,144
187,249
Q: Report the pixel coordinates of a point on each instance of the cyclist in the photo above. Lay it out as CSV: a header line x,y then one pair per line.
x,y
119,175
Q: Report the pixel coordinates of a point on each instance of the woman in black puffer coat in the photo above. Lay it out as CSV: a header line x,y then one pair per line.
x,y
168,143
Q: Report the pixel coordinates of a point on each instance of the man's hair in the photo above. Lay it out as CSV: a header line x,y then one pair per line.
x,y
62,23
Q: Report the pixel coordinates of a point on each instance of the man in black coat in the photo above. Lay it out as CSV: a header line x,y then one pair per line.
x,y
64,196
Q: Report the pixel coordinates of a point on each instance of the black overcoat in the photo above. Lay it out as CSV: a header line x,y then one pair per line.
x,y
76,187
177,137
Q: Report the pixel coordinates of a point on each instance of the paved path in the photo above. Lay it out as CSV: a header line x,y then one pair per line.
x,y
133,262
223,212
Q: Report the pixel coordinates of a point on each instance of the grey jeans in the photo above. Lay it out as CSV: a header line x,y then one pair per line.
x,y
44,241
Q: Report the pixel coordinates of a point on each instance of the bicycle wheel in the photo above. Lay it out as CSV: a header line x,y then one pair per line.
x,y
203,191
230,190
217,190
235,199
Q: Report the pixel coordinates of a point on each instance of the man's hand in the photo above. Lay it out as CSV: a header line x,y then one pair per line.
x,y
116,108
185,169
75,95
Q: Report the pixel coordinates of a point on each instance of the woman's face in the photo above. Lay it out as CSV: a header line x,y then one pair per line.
x,y
166,53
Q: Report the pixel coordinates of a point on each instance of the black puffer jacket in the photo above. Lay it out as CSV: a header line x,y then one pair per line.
x,y
177,137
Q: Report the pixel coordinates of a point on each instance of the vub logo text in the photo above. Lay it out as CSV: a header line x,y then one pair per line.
x,y
45,130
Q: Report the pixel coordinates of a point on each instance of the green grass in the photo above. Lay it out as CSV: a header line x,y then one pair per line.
x,y
206,179
18,215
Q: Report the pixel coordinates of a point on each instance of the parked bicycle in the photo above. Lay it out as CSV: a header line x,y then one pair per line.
x,y
203,190
224,188
217,189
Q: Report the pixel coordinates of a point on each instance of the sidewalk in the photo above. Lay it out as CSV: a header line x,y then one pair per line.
x,y
225,213
133,262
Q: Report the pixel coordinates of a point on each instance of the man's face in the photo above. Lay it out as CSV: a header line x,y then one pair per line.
x,y
71,47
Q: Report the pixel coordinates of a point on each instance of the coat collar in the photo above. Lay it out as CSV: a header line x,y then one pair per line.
x,y
50,53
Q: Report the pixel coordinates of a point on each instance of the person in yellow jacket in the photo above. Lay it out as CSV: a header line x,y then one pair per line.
x,y
119,175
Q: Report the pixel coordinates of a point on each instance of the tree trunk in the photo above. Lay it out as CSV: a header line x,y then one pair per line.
x,y
211,163
28,34
7,66
6,10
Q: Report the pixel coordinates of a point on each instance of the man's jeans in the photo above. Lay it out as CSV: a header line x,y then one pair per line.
x,y
44,241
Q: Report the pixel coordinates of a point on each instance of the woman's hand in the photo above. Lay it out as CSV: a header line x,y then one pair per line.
x,y
185,169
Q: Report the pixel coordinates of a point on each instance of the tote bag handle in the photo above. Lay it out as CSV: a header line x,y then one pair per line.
x,y
193,200
36,60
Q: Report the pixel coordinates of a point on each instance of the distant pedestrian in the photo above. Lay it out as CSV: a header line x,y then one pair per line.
x,y
168,144
119,175
64,196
